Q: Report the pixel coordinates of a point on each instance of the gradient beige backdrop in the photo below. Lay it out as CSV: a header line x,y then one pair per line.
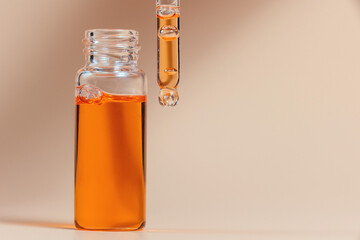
x,y
266,136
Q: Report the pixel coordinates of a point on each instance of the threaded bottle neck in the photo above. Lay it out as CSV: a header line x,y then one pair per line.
x,y
111,48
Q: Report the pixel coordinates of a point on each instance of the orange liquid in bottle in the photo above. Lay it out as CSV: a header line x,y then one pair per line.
x,y
110,163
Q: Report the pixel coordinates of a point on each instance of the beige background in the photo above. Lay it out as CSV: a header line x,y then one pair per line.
x,y
266,136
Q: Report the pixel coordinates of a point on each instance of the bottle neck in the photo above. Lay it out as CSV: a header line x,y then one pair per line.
x,y
111,49
111,60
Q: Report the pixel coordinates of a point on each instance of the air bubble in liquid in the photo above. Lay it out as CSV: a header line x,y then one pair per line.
x,y
168,32
166,11
90,94
170,71
168,97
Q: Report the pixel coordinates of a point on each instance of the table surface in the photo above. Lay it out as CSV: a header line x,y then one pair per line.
x,y
40,231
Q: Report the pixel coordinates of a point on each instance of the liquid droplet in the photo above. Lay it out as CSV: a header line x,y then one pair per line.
x,y
168,32
168,97
89,94
170,71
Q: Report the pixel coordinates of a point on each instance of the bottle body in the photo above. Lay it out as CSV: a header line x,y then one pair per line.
x,y
110,145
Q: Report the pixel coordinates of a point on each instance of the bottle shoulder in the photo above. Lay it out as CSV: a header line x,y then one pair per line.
x,y
106,73
120,81
111,71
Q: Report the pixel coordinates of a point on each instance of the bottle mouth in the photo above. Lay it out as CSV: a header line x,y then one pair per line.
x,y
111,46
113,39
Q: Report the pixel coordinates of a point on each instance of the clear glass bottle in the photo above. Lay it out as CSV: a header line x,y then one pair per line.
x,y
110,133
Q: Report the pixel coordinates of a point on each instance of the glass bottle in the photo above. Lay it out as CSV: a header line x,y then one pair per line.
x,y
110,133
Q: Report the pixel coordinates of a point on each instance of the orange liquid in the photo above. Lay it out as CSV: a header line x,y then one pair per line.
x,y
110,163
168,54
